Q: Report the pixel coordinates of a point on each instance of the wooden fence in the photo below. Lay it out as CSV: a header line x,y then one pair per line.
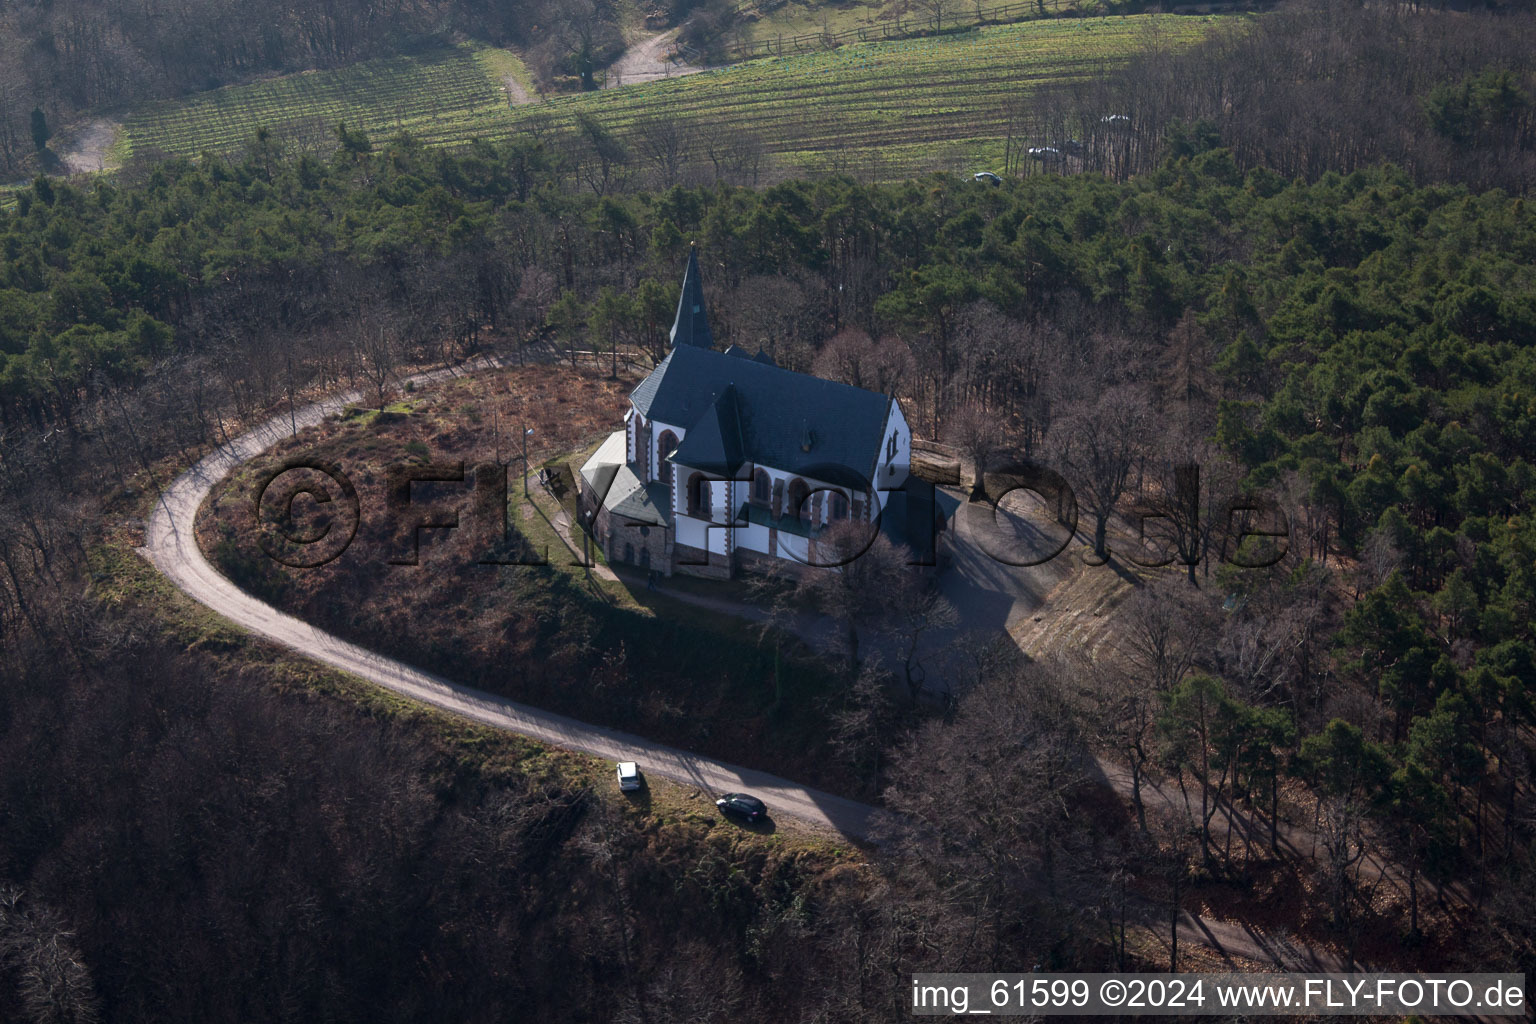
x,y
962,18
906,27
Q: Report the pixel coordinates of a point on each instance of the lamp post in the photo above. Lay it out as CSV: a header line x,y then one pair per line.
x,y
586,542
526,432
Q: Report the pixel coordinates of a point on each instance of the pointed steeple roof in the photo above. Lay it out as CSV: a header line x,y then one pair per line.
x,y
692,324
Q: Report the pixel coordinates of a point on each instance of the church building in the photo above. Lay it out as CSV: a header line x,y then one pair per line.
x,y
726,458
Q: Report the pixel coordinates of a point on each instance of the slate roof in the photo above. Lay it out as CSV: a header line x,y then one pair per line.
x,y
621,491
603,466
761,357
715,444
691,326
646,503
749,411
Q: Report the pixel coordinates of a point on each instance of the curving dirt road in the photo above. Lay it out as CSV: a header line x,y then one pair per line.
x,y
170,544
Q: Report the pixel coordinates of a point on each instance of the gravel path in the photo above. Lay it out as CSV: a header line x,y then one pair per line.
x,y
83,149
516,94
646,61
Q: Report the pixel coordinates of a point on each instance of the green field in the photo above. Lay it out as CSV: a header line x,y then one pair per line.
x,y
904,105
885,109
794,18
784,27
442,96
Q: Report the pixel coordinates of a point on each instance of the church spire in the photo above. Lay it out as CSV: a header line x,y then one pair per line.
x,y
692,325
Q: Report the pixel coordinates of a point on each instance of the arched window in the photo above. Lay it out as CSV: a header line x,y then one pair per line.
x,y
698,496
762,487
797,507
665,445
839,508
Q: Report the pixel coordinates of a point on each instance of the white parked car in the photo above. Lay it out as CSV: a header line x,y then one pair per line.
x,y
629,777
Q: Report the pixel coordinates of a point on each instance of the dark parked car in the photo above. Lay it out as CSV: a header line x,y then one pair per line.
x,y
987,177
742,806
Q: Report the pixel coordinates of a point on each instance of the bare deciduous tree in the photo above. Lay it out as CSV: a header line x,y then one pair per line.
x,y
976,431
667,144
375,356
736,154
940,12
773,312
862,719
1126,719
856,572
602,159
1097,440
852,357
1342,839
919,609
989,796
40,961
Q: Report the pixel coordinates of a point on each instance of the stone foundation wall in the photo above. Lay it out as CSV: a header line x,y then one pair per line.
x,y
625,544
628,544
718,567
